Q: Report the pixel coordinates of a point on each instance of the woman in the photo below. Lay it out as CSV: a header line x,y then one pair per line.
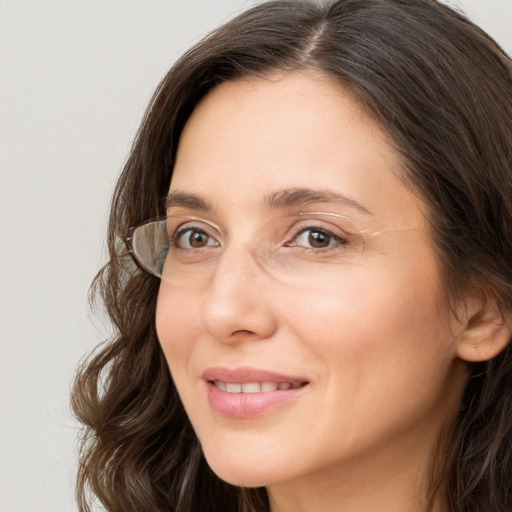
x,y
319,202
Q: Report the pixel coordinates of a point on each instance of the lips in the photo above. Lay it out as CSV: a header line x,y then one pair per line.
x,y
248,392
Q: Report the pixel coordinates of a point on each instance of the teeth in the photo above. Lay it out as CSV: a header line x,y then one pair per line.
x,y
233,388
255,387
251,387
268,386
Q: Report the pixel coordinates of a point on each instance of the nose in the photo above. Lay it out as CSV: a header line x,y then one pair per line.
x,y
238,302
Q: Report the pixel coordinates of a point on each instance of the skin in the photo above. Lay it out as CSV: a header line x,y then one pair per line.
x,y
376,346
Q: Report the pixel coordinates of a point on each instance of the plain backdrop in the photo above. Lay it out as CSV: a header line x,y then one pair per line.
x,y
75,77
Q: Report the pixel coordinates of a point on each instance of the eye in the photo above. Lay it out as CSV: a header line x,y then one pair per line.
x,y
193,238
317,238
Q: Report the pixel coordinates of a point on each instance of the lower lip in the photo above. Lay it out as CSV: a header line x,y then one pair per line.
x,y
249,405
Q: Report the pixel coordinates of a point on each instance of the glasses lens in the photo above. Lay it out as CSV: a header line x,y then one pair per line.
x,y
302,250
150,244
177,249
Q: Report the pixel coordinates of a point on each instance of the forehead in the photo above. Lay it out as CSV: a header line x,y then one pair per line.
x,y
256,136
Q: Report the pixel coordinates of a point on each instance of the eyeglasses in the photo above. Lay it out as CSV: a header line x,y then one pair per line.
x,y
305,249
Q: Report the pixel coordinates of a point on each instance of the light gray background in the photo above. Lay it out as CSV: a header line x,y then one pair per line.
x,y
75,77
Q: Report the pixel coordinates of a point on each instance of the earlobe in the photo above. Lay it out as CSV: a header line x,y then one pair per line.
x,y
487,331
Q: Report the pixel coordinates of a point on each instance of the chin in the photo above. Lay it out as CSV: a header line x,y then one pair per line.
x,y
243,472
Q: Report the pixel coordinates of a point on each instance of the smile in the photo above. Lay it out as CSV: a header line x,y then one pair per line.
x,y
256,387
244,393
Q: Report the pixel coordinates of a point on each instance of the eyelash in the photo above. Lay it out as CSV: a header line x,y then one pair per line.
x,y
173,241
335,239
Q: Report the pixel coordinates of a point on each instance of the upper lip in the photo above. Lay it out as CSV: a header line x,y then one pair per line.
x,y
247,374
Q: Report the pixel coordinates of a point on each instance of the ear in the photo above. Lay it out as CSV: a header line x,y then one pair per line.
x,y
487,328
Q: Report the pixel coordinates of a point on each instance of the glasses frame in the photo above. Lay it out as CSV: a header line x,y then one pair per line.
x,y
129,239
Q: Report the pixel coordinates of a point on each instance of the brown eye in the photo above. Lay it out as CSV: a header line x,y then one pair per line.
x,y
318,239
198,239
193,238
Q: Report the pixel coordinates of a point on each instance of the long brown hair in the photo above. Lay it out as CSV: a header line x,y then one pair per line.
x,y
443,90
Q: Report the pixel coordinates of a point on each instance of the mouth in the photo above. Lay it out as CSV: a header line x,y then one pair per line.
x,y
257,387
245,393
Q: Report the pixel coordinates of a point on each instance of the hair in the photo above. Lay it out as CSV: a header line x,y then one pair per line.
x,y
442,89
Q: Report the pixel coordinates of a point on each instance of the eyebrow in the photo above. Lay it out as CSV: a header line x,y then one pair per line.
x,y
190,201
297,197
279,200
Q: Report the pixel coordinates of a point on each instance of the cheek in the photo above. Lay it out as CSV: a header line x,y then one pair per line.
x,y
176,324
385,303
382,336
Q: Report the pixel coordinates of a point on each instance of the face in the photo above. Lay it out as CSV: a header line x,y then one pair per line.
x,y
331,326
